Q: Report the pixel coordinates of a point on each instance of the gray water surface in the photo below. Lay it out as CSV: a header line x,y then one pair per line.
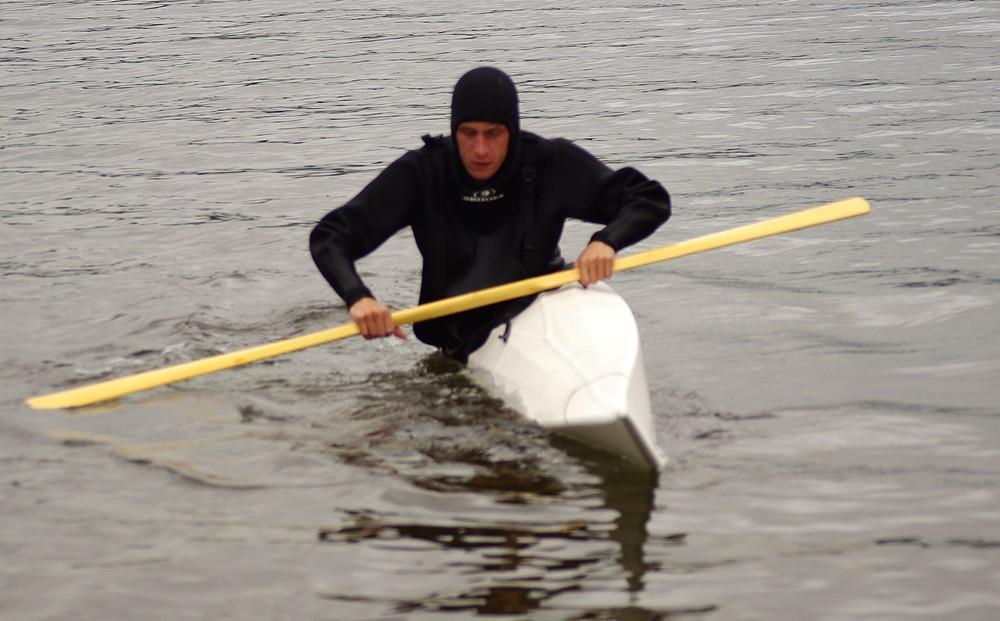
x,y
828,398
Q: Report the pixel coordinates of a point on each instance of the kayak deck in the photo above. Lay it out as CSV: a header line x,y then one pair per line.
x,y
572,362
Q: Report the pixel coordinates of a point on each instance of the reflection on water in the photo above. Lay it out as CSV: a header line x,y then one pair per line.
x,y
527,564
500,549
630,493
545,551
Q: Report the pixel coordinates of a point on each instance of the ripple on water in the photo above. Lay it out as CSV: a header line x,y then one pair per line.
x,y
918,308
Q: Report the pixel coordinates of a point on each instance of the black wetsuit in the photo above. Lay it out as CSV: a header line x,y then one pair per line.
x,y
475,235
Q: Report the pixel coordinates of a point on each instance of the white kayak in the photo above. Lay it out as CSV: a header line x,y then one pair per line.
x,y
572,362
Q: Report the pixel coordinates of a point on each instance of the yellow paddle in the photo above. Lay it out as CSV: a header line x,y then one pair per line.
x,y
103,391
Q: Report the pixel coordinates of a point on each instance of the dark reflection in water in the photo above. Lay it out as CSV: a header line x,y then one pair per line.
x,y
469,442
630,493
505,548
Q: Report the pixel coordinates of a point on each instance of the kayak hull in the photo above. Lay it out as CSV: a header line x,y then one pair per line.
x,y
572,362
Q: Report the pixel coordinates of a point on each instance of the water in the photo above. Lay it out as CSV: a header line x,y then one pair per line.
x,y
828,398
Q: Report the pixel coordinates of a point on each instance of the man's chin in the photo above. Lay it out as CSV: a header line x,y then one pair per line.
x,y
482,173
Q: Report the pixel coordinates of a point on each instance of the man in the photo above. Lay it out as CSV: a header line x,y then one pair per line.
x,y
487,206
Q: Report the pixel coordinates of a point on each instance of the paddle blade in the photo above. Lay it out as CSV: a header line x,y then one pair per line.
x,y
824,214
112,389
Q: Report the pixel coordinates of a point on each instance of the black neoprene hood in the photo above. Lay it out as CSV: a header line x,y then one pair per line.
x,y
486,94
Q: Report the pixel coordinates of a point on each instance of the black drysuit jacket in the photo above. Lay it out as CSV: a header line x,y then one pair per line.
x,y
475,235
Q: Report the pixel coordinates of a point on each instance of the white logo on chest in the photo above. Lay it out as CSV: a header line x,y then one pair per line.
x,y
486,195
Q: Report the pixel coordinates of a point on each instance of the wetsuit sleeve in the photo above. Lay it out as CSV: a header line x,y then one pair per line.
x,y
361,225
630,205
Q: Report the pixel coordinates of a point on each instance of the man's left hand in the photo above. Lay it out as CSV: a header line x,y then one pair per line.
x,y
596,263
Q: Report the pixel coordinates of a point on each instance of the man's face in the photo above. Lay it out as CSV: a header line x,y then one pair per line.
x,y
482,146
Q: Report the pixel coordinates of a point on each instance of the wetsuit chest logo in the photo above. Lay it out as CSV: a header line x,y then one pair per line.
x,y
486,195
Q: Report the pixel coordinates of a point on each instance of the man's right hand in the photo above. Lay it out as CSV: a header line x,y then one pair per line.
x,y
374,319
